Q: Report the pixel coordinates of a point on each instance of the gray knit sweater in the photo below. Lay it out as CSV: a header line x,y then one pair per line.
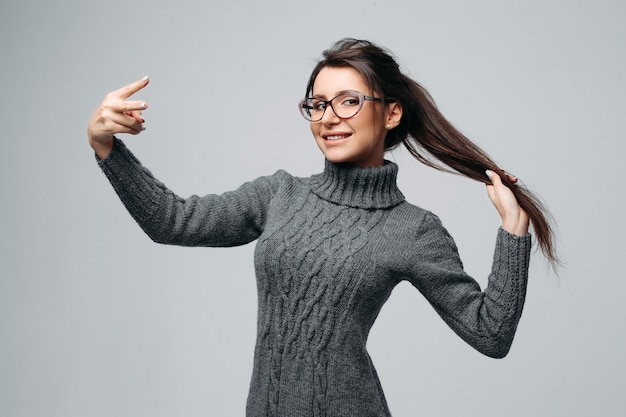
x,y
330,249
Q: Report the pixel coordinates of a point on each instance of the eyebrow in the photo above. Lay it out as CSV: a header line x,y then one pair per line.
x,y
322,96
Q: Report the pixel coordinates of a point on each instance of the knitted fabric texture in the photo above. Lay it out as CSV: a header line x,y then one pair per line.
x,y
330,249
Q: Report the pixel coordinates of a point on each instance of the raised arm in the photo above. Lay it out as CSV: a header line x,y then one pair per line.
x,y
232,218
486,319
229,219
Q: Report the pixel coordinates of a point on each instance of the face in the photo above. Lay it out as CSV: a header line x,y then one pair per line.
x,y
360,139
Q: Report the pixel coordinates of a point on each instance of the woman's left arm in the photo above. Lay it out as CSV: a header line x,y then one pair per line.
x,y
486,319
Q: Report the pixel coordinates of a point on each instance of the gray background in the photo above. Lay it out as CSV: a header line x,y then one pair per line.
x,y
96,320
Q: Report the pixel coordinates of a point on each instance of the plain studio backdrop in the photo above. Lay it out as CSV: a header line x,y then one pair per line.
x,y
97,320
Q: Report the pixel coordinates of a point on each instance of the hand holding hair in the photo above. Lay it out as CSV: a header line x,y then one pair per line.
x,y
116,115
514,218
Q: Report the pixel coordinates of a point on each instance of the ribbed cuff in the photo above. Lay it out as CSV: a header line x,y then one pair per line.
x,y
512,252
134,183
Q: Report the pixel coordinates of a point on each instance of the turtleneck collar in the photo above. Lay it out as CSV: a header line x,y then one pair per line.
x,y
369,188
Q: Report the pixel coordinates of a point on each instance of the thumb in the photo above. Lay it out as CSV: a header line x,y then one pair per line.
x,y
496,183
494,177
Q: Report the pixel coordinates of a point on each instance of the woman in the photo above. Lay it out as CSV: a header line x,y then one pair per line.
x,y
333,246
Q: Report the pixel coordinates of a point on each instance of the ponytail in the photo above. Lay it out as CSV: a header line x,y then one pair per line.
x,y
432,140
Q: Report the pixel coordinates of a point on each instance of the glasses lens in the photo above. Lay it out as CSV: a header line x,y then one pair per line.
x,y
307,110
347,105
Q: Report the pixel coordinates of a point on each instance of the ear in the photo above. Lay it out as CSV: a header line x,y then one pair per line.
x,y
393,115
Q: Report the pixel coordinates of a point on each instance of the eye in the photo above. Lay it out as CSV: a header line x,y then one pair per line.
x,y
317,105
349,101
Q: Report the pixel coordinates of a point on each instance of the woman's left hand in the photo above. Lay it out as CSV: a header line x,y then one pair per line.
x,y
514,218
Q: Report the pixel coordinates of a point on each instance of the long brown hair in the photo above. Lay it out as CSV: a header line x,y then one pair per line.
x,y
425,132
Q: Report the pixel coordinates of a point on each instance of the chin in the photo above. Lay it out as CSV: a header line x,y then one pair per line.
x,y
337,159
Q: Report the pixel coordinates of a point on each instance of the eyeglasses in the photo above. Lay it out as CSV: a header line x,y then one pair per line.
x,y
345,106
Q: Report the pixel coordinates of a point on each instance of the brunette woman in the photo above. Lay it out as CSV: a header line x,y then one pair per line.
x,y
331,247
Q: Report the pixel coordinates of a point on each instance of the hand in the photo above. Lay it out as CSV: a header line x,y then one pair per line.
x,y
116,115
514,218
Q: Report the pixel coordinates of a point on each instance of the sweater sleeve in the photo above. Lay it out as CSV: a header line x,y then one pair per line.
x,y
488,319
230,219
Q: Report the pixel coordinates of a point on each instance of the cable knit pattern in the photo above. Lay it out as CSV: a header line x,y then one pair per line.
x,y
330,249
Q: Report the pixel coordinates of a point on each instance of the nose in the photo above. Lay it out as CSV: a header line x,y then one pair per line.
x,y
329,116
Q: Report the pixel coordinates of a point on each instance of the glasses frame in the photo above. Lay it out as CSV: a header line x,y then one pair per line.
x,y
329,103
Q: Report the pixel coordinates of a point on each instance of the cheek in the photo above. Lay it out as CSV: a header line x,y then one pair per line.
x,y
375,129
373,121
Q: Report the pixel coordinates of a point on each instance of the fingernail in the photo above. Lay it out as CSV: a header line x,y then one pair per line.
x,y
143,120
143,128
143,105
489,173
146,78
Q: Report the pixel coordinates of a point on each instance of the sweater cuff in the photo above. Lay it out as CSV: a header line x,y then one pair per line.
x,y
135,184
512,253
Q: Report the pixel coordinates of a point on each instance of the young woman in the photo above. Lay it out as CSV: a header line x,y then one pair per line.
x,y
331,247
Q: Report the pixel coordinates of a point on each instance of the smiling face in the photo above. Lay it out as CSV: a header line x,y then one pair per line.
x,y
358,140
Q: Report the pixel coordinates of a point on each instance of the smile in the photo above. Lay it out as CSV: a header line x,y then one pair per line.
x,y
337,137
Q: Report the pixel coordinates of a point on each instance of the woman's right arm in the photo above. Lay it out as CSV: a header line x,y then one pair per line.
x,y
116,115
229,219
233,218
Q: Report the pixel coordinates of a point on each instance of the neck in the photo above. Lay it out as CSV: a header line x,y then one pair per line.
x,y
367,187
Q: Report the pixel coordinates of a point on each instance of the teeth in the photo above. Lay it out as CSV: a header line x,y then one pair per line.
x,y
336,137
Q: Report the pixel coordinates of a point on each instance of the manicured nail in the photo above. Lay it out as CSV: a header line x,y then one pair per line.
x,y
489,173
146,78
143,120
143,105
143,128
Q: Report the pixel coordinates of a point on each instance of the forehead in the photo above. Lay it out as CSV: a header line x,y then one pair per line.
x,y
333,80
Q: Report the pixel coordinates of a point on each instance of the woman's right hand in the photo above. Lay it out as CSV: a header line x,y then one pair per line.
x,y
116,115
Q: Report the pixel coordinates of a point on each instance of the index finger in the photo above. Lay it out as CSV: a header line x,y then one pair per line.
x,y
132,88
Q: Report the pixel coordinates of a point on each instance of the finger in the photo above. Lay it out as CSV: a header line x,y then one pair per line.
x,y
512,178
123,123
112,128
132,88
129,106
496,182
137,115
131,130
494,177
